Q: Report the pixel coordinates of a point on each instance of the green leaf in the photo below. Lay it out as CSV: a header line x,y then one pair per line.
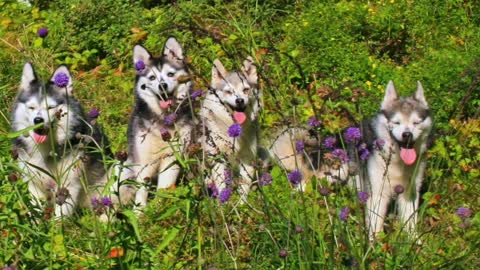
x,y
25,130
169,238
132,219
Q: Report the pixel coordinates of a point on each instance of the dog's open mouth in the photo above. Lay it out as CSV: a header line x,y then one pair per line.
x,y
165,99
40,135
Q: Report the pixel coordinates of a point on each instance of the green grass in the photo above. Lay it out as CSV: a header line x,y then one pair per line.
x,y
333,57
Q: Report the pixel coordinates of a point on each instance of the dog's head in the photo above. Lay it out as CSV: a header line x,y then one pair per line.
x,y
44,105
235,89
162,77
408,118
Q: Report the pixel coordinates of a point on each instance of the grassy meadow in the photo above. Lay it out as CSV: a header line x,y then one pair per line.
x,y
328,59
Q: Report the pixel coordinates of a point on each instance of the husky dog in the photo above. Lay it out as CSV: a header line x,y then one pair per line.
x,y
59,151
404,125
162,113
229,113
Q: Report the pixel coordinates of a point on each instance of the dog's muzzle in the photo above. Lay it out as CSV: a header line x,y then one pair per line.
x,y
43,130
407,140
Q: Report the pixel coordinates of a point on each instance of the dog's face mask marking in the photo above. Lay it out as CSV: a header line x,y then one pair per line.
x,y
235,89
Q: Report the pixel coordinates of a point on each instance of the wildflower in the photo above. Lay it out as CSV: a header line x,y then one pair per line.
x,y
140,65
13,177
313,122
225,195
265,179
95,202
344,213
166,136
42,32
300,146
212,190
106,202
378,144
121,156
93,113
362,197
330,142
261,227
464,212
170,119
61,79
298,229
398,189
62,195
9,267
341,155
116,253
324,191
235,130
196,94
352,135
295,177
283,253
228,177
364,152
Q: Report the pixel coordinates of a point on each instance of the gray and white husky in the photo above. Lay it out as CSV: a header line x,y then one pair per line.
x,y
231,106
161,123
404,125
61,157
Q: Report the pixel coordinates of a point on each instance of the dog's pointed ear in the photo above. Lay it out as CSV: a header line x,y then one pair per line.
x,y
250,71
390,95
419,94
63,80
173,50
28,76
218,72
141,54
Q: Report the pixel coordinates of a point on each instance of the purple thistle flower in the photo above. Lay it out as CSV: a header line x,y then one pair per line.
x,y
364,152
324,191
140,65
166,136
283,253
295,177
313,122
363,197
330,142
61,79
228,177
299,146
341,155
298,229
212,190
344,213
93,113
398,189
95,202
464,212
106,202
352,135
170,119
225,195
42,32
378,144
9,267
265,179
196,94
235,130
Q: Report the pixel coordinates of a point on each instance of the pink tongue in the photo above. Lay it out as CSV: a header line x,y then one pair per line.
x,y
39,138
408,155
239,117
165,104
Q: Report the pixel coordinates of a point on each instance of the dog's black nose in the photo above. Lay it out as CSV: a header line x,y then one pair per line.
x,y
407,136
163,86
240,102
38,120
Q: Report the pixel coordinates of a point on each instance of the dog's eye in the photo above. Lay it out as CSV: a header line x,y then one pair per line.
x,y
31,108
51,107
396,122
170,74
227,92
417,122
152,78
245,90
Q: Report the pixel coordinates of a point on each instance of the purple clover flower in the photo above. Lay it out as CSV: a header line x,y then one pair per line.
x,y
352,135
341,155
363,197
313,122
106,202
170,119
235,130
228,177
300,146
212,190
140,65
283,253
93,113
378,144
295,177
225,195
298,229
464,212
324,191
196,94
363,151
398,189
42,32
61,79
330,142
95,202
9,267
344,213
265,179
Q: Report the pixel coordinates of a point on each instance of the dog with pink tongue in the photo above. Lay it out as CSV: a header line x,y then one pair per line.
x,y
404,125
